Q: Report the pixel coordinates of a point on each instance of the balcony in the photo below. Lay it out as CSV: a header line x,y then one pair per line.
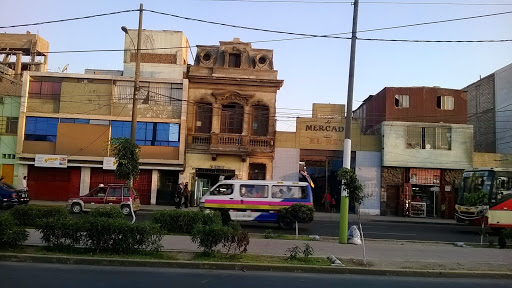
x,y
231,143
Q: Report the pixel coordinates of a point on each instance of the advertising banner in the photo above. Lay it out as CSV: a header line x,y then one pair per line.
x,y
59,161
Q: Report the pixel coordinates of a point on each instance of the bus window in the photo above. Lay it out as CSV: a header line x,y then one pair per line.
x,y
503,189
253,191
284,191
222,189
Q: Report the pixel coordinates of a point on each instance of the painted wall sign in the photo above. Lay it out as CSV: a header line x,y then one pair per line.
x,y
59,161
109,163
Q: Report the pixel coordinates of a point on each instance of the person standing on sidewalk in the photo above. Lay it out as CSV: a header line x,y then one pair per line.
x,y
186,194
179,195
327,202
24,186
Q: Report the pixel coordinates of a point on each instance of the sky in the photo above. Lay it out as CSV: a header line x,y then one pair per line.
x,y
314,70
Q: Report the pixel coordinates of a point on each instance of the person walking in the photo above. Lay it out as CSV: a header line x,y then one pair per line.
x,y
179,195
186,194
24,186
327,202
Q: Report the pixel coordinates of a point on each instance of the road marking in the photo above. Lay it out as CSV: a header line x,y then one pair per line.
x,y
365,232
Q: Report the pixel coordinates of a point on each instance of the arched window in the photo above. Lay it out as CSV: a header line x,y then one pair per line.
x,y
232,118
204,118
260,120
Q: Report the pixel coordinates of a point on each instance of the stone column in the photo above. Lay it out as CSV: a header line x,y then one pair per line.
x,y
154,186
85,180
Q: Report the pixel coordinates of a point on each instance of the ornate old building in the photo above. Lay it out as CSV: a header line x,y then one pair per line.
x,y
231,108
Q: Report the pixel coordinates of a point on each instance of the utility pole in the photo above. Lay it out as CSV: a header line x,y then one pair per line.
x,y
347,147
136,85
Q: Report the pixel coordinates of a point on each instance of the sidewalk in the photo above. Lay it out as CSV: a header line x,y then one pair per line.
x,y
379,254
322,216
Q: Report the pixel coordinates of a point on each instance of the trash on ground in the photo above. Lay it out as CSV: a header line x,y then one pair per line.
x,y
461,244
314,237
354,237
334,261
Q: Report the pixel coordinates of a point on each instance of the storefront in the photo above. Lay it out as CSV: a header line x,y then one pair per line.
x,y
425,187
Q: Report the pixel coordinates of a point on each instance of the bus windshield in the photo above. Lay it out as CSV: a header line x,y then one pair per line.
x,y
476,186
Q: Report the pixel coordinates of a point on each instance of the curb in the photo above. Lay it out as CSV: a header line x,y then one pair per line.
x,y
30,258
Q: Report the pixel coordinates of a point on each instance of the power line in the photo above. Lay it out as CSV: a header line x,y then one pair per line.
x,y
69,19
363,2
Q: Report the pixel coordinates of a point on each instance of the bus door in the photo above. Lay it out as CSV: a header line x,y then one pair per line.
x,y
255,203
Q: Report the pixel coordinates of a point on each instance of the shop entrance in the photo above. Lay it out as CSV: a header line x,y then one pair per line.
x,y
207,178
167,186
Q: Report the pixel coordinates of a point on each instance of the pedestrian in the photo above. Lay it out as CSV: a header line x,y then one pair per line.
x,y
327,202
179,195
24,186
186,194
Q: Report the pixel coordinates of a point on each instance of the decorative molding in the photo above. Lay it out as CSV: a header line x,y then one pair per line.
x,y
225,96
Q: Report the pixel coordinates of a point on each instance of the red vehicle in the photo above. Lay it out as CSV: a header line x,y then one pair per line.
x,y
104,196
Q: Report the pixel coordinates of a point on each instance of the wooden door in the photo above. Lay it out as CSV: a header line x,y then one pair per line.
x,y
392,199
8,173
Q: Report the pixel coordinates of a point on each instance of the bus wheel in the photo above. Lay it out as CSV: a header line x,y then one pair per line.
x,y
285,223
226,218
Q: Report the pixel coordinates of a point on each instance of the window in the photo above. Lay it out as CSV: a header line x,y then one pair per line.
x,y
235,60
149,134
167,94
253,191
285,191
44,90
445,102
223,189
402,101
260,120
8,156
114,192
41,129
126,192
429,138
232,119
204,118
8,125
72,120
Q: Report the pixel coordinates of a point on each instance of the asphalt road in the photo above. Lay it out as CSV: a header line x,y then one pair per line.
x,y
77,276
372,230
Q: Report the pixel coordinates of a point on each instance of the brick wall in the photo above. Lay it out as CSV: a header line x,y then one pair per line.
x,y
481,114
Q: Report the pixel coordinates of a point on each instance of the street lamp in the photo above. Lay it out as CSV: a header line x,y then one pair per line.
x,y
136,85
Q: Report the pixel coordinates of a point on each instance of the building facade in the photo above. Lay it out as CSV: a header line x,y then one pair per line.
x,y
19,53
318,143
489,101
426,145
231,107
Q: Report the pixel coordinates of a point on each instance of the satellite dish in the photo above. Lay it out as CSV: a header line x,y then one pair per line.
x,y
65,68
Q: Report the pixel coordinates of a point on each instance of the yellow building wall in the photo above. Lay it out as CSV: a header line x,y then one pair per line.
x,y
222,162
42,106
85,98
285,139
491,160
82,139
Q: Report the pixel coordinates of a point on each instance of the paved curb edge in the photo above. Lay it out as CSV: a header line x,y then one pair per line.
x,y
30,258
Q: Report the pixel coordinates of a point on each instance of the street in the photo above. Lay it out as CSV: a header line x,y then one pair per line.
x,y
77,276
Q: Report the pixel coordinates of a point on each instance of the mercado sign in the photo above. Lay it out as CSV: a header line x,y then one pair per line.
x,y
318,133
59,161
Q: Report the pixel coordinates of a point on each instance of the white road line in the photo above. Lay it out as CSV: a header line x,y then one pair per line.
x,y
365,232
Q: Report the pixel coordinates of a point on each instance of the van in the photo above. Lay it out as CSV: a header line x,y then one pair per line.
x,y
256,200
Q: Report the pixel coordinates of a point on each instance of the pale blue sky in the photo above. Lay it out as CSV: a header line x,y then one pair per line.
x,y
313,70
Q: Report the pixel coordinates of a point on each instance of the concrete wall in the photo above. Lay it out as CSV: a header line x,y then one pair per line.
x,y
286,164
368,171
483,160
396,154
503,99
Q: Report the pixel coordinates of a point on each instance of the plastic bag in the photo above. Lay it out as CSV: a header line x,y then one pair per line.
x,y
354,237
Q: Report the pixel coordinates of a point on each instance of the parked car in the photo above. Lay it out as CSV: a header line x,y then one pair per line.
x,y
10,196
104,196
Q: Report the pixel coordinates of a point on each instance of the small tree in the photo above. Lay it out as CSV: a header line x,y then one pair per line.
x,y
351,185
127,155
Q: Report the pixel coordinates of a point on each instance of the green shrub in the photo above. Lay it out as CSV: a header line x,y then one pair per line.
x,y
308,250
236,240
298,212
184,221
111,212
60,232
232,238
294,252
100,234
29,215
11,235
